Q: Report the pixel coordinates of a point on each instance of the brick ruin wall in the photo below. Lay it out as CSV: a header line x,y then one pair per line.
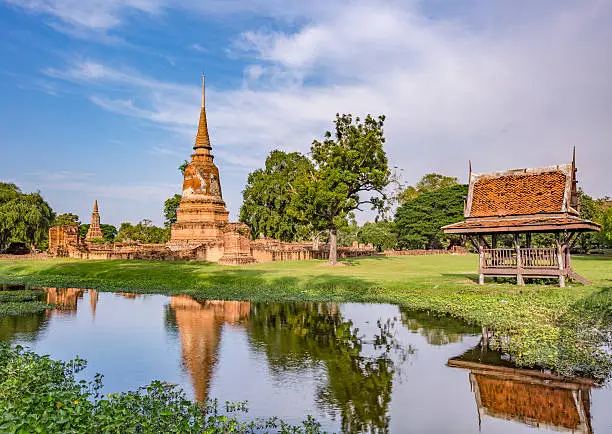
x,y
454,250
234,249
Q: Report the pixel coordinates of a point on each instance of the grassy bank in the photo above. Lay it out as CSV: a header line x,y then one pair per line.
x,y
568,330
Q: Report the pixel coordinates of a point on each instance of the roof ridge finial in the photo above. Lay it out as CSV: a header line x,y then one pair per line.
x,y
470,166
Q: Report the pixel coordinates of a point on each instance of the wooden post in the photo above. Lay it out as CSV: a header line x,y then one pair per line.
x,y
481,264
494,246
485,337
519,264
560,260
528,241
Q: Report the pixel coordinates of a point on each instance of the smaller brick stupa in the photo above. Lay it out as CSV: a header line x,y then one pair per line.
x,y
94,231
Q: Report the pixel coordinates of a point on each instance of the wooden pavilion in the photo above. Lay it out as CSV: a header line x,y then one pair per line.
x,y
522,202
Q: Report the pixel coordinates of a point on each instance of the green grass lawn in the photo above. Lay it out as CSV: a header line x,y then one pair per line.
x,y
568,329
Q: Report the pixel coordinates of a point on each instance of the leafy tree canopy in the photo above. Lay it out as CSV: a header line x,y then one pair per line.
x,y
66,219
109,231
606,227
268,195
171,206
144,232
380,234
183,166
418,221
24,218
429,182
590,209
347,165
348,234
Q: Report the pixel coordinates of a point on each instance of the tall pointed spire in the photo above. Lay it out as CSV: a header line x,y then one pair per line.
x,y
95,206
202,140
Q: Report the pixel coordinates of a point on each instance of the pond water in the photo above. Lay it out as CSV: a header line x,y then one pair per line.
x,y
354,367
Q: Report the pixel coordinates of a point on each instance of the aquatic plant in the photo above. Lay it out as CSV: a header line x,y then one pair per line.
x,y
38,394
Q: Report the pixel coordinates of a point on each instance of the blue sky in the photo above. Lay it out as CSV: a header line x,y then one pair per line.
x,y
100,98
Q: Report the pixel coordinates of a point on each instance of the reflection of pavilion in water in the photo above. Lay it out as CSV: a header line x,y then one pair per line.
x,y
531,397
200,325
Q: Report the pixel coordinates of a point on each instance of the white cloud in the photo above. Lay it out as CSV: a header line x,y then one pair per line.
x,y
96,15
504,93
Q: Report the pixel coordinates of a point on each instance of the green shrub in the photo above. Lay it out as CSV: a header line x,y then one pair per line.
x,y
38,394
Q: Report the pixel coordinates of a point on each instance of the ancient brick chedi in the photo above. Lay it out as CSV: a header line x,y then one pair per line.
x,y
202,216
94,231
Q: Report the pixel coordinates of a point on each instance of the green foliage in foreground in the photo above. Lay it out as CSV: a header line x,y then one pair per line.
x,y
565,329
38,394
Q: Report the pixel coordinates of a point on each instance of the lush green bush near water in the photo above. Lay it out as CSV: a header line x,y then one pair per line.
x,y
38,394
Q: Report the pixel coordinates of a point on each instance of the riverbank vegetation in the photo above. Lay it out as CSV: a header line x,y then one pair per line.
x,y
568,330
21,302
38,394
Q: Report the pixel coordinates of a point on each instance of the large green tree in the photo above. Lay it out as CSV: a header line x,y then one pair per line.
x,y
171,206
350,169
590,209
418,221
144,232
380,234
268,195
66,219
429,182
606,227
24,218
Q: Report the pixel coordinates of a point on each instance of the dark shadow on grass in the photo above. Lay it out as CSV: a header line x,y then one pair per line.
x,y
469,276
196,279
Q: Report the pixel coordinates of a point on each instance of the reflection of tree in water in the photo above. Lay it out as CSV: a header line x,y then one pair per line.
x,y
359,371
438,330
29,325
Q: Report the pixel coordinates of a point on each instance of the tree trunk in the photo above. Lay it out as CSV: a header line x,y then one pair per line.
x,y
315,242
333,247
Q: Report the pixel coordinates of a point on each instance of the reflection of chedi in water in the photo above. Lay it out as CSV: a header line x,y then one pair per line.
x,y
531,397
65,298
200,326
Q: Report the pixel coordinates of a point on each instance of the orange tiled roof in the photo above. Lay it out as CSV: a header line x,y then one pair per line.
x,y
521,194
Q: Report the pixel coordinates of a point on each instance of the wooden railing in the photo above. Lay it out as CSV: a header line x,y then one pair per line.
x,y
539,258
499,258
530,258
